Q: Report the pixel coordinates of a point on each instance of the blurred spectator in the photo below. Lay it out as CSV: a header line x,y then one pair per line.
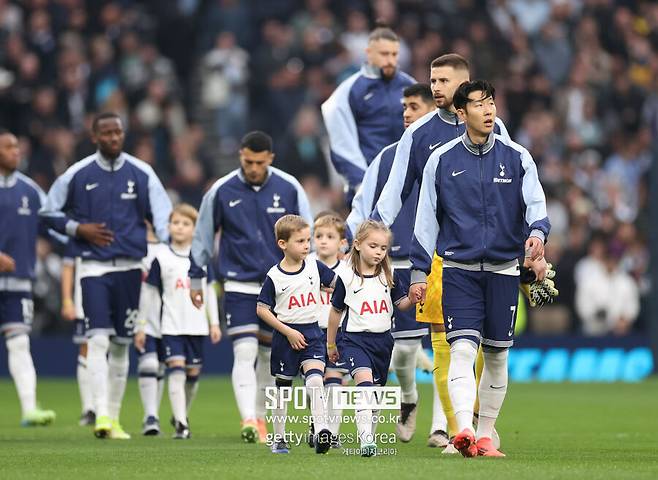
x,y
607,298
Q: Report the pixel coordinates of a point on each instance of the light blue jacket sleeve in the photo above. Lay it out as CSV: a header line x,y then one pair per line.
x,y
536,215
160,206
51,211
362,204
426,227
340,123
399,184
203,242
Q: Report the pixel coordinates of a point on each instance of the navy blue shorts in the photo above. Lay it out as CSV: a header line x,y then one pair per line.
x,y
329,365
154,345
16,312
241,318
367,350
480,306
80,331
286,362
184,347
111,302
404,323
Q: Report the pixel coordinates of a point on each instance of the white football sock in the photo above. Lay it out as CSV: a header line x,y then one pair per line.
x,y
279,418
84,385
363,420
118,365
243,376
177,394
439,421
461,382
147,369
492,390
373,429
162,368
22,371
404,366
97,347
334,415
264,378
315,388
191,388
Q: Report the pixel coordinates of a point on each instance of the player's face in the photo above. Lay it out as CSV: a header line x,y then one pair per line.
x,y
413,108
254,165
298,245
444,82
327,241
181,229
109,137
480,113
9,153
383,54
374,247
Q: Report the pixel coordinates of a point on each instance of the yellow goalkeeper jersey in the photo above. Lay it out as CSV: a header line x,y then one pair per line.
x,y
431,311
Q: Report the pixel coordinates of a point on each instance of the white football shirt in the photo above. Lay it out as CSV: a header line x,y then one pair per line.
x,y
168,273
369,301
325,297
296,297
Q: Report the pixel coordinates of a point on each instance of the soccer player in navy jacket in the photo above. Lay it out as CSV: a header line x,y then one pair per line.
x,y
244,206
20,200
364,114
102,203
480,206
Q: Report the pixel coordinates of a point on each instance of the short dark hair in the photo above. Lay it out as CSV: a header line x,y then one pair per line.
x,y
460,99
453,60
103,116
421,90
382,32
4,131
257,141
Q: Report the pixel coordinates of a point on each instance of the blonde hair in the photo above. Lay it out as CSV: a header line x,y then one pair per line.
x,y
330,219
355,256
185,210
287,225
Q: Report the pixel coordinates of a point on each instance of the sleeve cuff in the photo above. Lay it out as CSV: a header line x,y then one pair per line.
x,y
539,234
418,276
196,283
71,228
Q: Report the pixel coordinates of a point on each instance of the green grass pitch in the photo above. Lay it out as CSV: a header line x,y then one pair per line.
x,y
558,431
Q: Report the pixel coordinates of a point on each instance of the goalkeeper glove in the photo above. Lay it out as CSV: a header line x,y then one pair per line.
x,y
538,293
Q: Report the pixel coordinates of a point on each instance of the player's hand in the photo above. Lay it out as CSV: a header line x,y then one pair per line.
x,y
197,298
68,310
7,263
215,334
539,267
327,289
417,292
332,353
541,293
296,339
140,341
534,248
95,233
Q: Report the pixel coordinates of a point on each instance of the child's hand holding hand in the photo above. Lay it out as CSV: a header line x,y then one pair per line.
x,y
215,334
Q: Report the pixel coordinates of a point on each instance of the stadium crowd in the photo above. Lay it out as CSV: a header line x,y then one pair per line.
x,y
576,81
